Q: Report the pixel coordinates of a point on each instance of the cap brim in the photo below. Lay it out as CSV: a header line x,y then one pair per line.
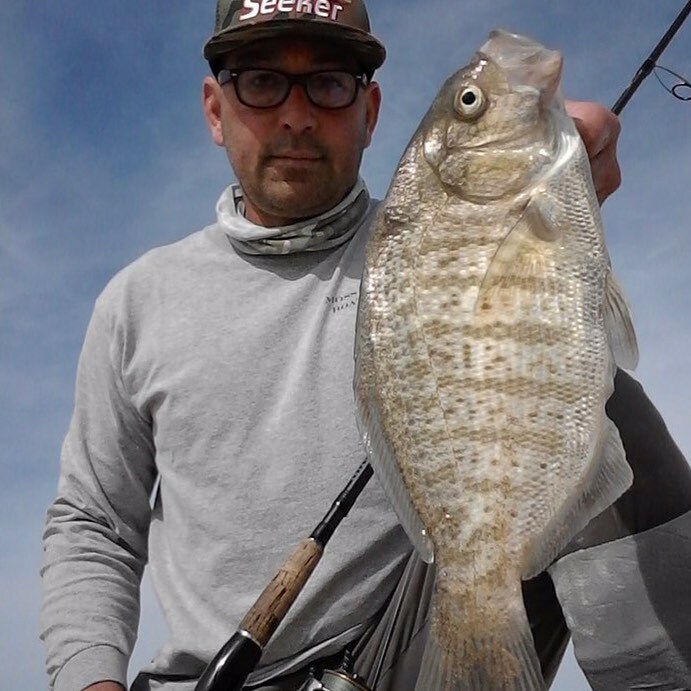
x,y
368,50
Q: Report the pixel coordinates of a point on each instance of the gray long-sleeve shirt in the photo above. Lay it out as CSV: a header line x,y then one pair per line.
x,y
230,375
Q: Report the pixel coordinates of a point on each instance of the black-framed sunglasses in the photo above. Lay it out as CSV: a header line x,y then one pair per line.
x,y
263,88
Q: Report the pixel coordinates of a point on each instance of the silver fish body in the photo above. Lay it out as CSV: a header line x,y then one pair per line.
x,y
489,331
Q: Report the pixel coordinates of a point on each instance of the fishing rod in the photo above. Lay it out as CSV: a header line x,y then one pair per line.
x,y
243,650
649,63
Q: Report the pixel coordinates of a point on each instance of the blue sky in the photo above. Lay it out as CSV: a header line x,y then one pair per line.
x,y
105,154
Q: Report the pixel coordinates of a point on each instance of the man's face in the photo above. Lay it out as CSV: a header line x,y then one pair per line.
x,y
295,160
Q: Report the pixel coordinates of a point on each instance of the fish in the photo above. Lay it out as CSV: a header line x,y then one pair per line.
x,y
489,329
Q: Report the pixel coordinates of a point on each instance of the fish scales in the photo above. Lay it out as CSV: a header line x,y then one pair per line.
x,y
489,330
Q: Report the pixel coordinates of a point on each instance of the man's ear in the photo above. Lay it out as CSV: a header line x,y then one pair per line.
x,y
372,103
212,96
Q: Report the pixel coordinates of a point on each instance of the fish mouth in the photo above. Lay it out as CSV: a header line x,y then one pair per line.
x,y
509,143
506,143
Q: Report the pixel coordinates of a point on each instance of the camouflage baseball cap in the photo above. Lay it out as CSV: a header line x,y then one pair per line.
x,y
242,21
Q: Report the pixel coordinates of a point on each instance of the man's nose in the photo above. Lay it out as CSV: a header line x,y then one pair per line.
x,y
298,113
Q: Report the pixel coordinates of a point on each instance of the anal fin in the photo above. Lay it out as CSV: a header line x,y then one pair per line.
x,y
613,476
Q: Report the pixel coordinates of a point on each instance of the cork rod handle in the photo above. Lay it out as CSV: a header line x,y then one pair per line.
x,y
276,599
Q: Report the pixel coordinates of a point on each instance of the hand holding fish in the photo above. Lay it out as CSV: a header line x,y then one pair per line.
x,y
599,128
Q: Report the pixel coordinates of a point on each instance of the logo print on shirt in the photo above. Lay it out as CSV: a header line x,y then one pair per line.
x,y
338,303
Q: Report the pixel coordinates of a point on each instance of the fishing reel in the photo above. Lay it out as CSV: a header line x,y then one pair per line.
x,y
335,680
341,679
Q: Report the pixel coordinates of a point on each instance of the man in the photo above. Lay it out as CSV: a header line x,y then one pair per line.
x,y
223,365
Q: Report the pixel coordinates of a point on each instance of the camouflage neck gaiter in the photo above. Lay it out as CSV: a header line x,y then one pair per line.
x,y
327,230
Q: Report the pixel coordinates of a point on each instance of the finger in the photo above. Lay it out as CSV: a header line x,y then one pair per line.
x,y
598,126
598,135
599,129
606,173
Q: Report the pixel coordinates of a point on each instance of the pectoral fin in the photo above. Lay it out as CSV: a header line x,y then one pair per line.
x,y
519,254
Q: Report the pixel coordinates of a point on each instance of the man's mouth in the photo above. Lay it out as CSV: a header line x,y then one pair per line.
x,y
298,156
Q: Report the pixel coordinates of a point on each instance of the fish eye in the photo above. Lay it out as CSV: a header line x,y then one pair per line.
x,y
470,102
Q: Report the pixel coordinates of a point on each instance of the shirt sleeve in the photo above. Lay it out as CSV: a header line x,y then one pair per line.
x,y
95,538
627,604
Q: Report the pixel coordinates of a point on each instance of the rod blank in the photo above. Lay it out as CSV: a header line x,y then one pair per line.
x,y
649,63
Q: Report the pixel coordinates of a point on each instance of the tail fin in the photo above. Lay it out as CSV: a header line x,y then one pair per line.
x,y
479,660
